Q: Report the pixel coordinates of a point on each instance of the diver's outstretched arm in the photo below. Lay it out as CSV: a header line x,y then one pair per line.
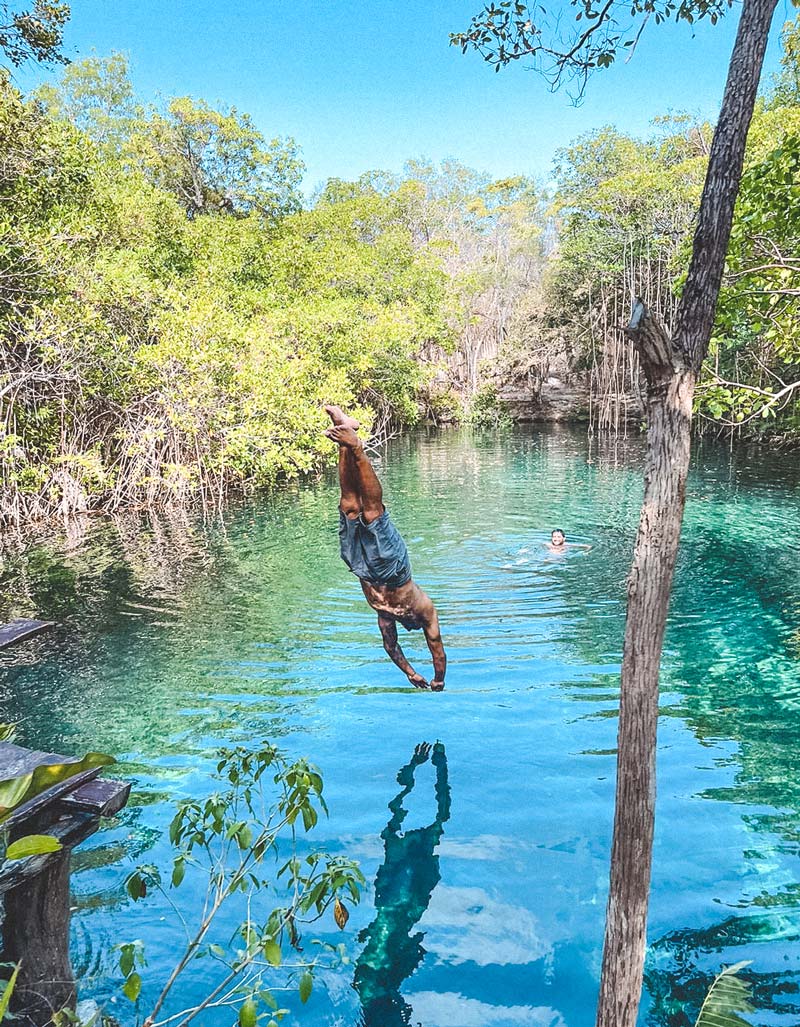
x,y
405,777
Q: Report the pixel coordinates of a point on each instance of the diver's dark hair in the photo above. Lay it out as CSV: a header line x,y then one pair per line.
x,y
559,531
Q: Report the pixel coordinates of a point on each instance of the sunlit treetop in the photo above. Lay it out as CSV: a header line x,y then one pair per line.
x,y
34,33
786,83
567,40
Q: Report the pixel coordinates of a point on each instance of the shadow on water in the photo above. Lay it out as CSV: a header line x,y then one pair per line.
x,y
404,885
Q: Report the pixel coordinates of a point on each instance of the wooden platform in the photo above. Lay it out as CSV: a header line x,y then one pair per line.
x,y
20,629
69,810
74,792
35,890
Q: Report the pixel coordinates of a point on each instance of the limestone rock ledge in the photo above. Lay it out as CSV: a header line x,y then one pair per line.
x,y
558,399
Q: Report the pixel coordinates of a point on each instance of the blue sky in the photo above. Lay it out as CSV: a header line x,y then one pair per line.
x,y
368,85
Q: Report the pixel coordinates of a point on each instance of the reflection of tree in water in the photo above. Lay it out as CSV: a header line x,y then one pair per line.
x,y
403,888
731,655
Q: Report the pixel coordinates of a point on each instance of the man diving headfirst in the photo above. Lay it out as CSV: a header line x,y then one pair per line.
x,y
375,552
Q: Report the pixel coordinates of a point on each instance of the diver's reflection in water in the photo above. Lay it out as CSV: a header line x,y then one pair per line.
x,y
403,888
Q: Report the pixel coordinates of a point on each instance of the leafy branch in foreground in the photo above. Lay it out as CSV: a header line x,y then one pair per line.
x,y
510,30
243,841
7,992
34,34
16,791
728,996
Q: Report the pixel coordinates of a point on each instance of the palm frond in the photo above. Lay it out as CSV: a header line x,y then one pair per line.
x,y
728,996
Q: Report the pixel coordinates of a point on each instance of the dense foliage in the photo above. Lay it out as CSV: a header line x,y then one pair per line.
x,y
625,210
170,318
33,32
173,312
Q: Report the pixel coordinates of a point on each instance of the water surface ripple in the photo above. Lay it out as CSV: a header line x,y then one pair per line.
x,y
487,898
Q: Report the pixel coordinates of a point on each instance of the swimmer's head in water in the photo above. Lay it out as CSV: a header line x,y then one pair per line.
x,y
557,537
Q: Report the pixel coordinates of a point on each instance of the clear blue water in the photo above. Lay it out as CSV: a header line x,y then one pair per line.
x,y
178,635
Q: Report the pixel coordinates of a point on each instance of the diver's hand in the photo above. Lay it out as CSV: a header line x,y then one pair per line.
x,y
421,752
417,680
437,686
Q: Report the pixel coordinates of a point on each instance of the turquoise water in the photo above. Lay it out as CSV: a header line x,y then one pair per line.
x,y
485,905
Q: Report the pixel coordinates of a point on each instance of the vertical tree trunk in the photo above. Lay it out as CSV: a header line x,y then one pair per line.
x,y
36,935
670,367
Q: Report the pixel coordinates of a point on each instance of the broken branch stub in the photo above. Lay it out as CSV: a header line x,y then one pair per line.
x,y
654,346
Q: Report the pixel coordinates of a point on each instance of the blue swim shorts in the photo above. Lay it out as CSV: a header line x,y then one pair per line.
x,y
374,552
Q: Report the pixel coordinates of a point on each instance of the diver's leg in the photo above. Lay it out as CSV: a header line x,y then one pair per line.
x,y
350,500
369,489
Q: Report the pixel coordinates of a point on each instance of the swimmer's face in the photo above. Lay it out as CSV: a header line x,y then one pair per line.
x,y
557,538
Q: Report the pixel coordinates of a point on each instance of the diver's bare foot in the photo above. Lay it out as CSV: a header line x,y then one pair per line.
x,y
344,436
339,417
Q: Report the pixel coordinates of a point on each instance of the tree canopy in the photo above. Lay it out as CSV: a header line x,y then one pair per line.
x,y
34,32
172,311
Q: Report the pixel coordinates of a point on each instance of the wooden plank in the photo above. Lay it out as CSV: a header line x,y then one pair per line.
x,y
101,797
17,630
16,760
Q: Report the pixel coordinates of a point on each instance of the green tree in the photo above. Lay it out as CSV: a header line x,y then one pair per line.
x,y
217,161
96,96
624,208
753,370
33,33
152,358
671,364
786,84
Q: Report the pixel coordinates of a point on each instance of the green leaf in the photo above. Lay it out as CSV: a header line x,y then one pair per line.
x,y
272,952
8,991
12,793
268,999
727,996
17,790
132,986
248,1013
136,886
306,984
32,845
178,871
126,960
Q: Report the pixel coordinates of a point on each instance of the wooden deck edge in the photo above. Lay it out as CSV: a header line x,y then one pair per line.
x,y
18,630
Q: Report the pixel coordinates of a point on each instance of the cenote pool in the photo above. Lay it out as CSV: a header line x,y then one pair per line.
x,y
177,636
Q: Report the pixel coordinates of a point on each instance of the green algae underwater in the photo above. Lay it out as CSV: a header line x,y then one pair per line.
x,y
487,863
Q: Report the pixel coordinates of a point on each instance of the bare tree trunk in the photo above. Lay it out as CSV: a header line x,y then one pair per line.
x,y
671,367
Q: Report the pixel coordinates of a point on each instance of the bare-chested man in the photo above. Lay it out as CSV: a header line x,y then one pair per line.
x,y
375,552
558,542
